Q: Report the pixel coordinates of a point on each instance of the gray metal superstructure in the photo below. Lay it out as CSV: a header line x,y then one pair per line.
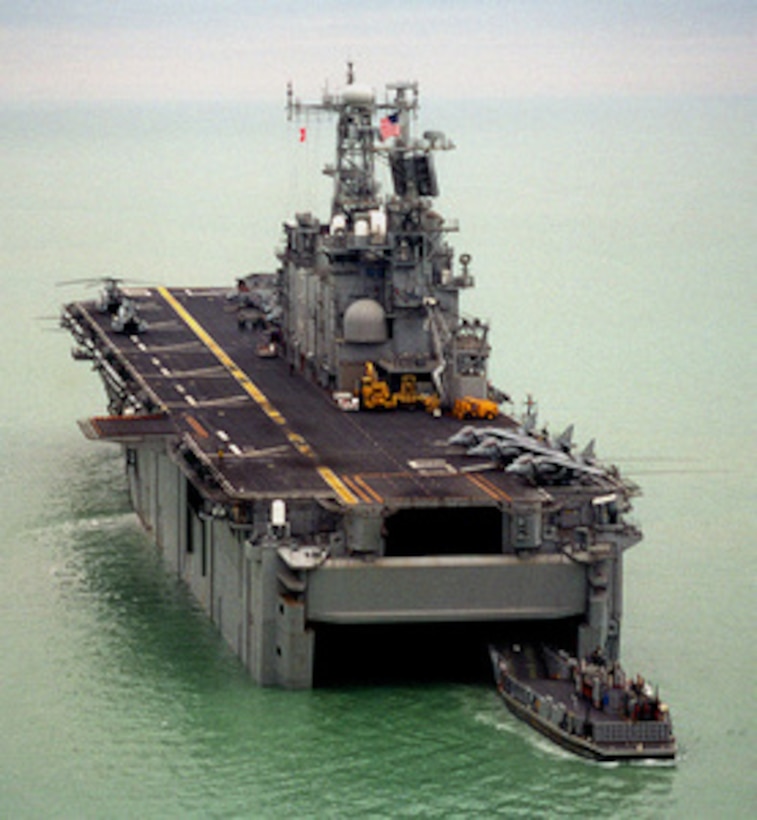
x,y
303,527
377,281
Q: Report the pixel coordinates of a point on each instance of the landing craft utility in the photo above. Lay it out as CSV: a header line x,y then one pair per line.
x,y
295,447
589,706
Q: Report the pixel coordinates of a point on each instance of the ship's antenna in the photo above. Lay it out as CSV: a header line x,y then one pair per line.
x,y
290,100
350,73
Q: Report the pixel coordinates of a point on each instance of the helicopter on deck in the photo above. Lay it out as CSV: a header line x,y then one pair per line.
x,y
126,319
113,301
110,297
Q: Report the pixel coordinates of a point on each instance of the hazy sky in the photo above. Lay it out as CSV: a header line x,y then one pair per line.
x,y
231,49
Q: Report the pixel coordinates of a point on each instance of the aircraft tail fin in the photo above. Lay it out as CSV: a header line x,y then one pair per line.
x,y
588,455
565,440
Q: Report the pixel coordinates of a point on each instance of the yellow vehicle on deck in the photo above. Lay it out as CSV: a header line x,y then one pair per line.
x,y
375,393
469,407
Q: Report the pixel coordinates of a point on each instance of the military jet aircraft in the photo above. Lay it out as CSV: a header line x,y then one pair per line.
x,y
469,435
556,467
504,445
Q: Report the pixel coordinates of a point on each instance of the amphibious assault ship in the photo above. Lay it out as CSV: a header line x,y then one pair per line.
x,y
319,454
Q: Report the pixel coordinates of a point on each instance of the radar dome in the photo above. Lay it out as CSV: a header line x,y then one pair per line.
x,y
365,322
358,94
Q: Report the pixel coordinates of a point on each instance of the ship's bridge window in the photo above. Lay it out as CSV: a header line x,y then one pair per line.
x,y
469,365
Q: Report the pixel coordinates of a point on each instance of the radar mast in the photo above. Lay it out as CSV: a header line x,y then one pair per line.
x,y
376,285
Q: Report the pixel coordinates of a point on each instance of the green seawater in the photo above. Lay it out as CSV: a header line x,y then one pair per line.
x,y
615,250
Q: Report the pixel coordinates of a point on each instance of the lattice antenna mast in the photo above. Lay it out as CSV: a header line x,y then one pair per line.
x,y
355,184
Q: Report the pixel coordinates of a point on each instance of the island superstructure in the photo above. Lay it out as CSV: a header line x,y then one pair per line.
x,y
297,449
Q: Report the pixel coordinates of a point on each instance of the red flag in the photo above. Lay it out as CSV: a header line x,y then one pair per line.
x,y
303,134
390,126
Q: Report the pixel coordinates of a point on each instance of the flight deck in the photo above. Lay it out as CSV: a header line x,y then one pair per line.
x,y
209,388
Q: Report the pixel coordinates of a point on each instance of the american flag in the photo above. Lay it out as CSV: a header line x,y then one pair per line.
x,y
390,126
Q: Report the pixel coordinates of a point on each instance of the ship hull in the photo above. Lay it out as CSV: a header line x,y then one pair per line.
x,y
276,630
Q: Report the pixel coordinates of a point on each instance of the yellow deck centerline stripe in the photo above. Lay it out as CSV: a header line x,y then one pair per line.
x,y
297,441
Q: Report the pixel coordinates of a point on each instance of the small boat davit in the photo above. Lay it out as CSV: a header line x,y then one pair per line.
x,y
588,707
